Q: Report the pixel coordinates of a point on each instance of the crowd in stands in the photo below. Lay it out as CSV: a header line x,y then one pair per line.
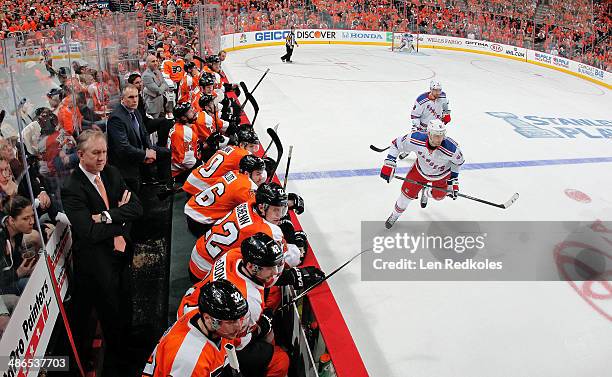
x,y
572,29
34,15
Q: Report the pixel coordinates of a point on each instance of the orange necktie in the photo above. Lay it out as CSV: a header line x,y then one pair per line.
x,y
119,241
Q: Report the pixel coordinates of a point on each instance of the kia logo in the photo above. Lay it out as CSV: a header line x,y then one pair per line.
x,y
496,48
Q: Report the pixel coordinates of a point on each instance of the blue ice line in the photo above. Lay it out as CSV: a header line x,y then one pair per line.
x,y
303,176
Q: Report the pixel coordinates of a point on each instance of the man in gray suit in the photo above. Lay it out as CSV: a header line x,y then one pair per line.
x,y
154,88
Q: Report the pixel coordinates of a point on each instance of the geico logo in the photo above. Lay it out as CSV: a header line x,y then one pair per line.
x,y
312,34
270,35
496,48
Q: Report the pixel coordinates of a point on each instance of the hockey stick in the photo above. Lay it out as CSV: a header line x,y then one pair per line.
x,y
505,205
271,141
279,148
260,80
232,359
376,149
322,280
243,85
287,168
251,99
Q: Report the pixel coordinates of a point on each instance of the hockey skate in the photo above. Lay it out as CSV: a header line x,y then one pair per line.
x,y
391,220
424,197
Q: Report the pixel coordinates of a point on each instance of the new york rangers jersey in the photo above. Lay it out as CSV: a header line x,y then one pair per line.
x,y
425,109
432,164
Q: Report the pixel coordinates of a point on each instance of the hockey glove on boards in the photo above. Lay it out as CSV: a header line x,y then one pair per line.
x,y
453,186
388,169
301,278
298,203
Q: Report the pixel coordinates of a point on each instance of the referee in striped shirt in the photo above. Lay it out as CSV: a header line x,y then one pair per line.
x,y
290,42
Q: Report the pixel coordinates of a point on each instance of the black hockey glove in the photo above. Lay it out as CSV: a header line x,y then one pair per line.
x,y
232,88
225,103
298,203
287,228
215,140
301,240
301,278
264,323
270,165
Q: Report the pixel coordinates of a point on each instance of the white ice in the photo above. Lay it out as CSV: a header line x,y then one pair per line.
x,y
335,101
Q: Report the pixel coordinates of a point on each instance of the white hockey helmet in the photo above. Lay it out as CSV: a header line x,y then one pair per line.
x,y
436,127
435,85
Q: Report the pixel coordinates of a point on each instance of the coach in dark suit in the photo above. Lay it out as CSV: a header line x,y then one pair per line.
x,y
129,148
160,125
100,208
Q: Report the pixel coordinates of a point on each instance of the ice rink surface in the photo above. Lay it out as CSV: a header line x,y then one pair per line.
x,y
334,101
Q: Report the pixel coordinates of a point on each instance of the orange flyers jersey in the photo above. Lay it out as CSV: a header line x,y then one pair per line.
x,y
228,233
183,144
224,160
206,125
226,268
223,195
188,87
185,351
174,69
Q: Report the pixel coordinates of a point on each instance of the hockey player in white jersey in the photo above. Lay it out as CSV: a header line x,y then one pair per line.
x,y
406,43
430,105
438,162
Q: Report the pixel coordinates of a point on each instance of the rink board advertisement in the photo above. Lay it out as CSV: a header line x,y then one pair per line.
x,y
266,38
32,321
56,51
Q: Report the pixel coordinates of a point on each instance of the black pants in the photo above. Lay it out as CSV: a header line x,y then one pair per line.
x,y
158,170
103,281
287,56
162,126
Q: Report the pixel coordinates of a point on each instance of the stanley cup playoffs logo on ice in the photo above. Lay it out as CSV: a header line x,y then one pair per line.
x,y
542,127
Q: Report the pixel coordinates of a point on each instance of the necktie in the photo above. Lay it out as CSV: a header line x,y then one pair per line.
x,y
136,126
119,241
